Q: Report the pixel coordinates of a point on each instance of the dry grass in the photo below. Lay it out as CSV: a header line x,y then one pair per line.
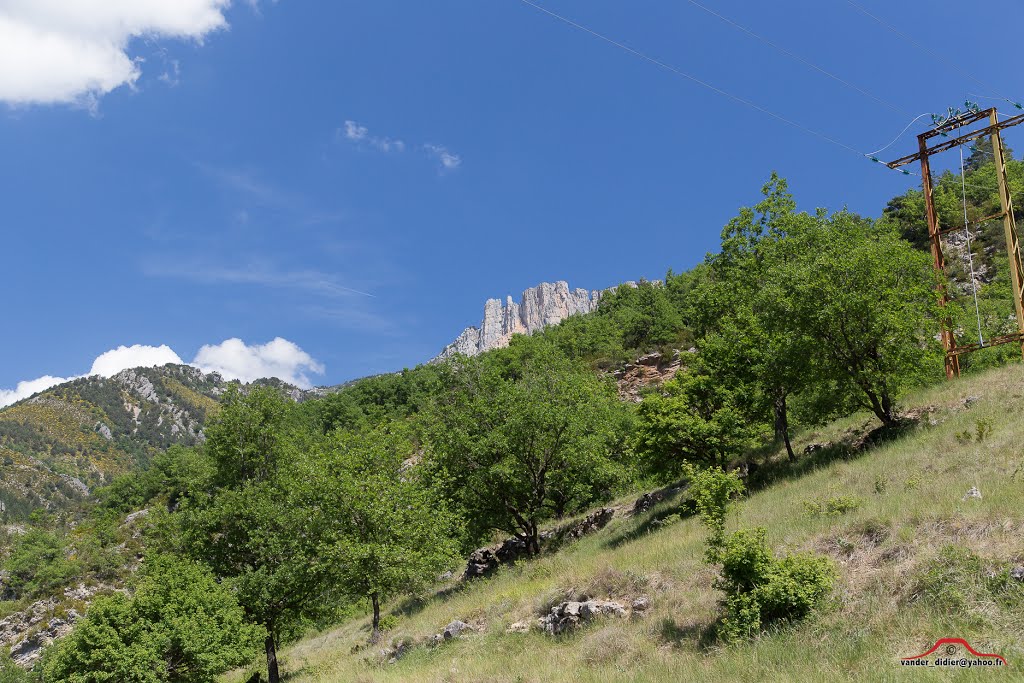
x,y
910,494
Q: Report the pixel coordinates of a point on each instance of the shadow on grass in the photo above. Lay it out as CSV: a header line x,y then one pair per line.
x,y
676,635
285,676
653,520
414,604
855,444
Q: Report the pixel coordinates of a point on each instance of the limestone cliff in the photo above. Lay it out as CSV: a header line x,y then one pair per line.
x,y
546,304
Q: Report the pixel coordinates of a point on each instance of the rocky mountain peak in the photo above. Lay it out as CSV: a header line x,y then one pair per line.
x,y
546,304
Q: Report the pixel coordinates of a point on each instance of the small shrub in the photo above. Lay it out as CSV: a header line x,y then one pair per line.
x,y
761,589
39,563
11,672
881,483
832,507
982,429
388,622
712,488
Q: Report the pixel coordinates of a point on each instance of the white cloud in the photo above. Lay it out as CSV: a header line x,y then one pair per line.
x,y
355,132
358,134
280,358
61,51
136,356
233,359
29,387
448,160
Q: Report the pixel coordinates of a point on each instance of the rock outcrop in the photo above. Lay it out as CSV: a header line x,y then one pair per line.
x,y
546,304
571,614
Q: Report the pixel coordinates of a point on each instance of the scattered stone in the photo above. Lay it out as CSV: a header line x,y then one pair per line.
x,y
454,629
27,651
399,650
649,500
484,561
519,627
973,492
595,521
569,615
652,359
640,604
813,448
1017,573
130,519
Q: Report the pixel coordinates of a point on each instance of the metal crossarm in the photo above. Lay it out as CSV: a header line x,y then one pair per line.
x,y
935,233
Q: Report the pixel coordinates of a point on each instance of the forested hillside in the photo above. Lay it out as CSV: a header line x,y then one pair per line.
x,y
288,517
62,443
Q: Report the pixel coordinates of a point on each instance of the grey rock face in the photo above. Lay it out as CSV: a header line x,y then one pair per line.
x,y
546,304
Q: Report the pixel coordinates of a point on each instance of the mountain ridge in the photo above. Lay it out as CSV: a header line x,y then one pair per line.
x,y
548,303
59,444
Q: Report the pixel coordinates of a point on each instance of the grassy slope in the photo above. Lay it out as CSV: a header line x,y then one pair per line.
x,y
911,506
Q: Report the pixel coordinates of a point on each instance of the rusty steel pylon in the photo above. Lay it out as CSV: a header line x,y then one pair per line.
x,y
935,232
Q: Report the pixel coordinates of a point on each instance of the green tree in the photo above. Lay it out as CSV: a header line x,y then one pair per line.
x,y
695,418
525,434
245,437
172,475
644,313
395,535
178,625
11,672
258,532
39,562
862,299
765,365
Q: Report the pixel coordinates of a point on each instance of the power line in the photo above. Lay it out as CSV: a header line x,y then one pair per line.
x,y
705,84
926,50
799,58
1018,105
896,139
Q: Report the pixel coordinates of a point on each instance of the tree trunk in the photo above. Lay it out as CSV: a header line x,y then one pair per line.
x,y
533,542
882,407
375,631
782,423
273,674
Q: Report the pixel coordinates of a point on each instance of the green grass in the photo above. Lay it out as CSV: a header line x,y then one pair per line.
x,y
887,516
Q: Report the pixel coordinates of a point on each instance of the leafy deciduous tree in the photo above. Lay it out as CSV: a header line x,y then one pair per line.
x,y
524,435
179,625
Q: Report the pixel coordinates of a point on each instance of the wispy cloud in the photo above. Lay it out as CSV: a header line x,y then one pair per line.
x,y
172,74
257,273
248,182
449,161
352,318
354,132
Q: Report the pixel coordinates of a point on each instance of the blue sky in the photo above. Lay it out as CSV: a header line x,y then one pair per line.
x,y
357,178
